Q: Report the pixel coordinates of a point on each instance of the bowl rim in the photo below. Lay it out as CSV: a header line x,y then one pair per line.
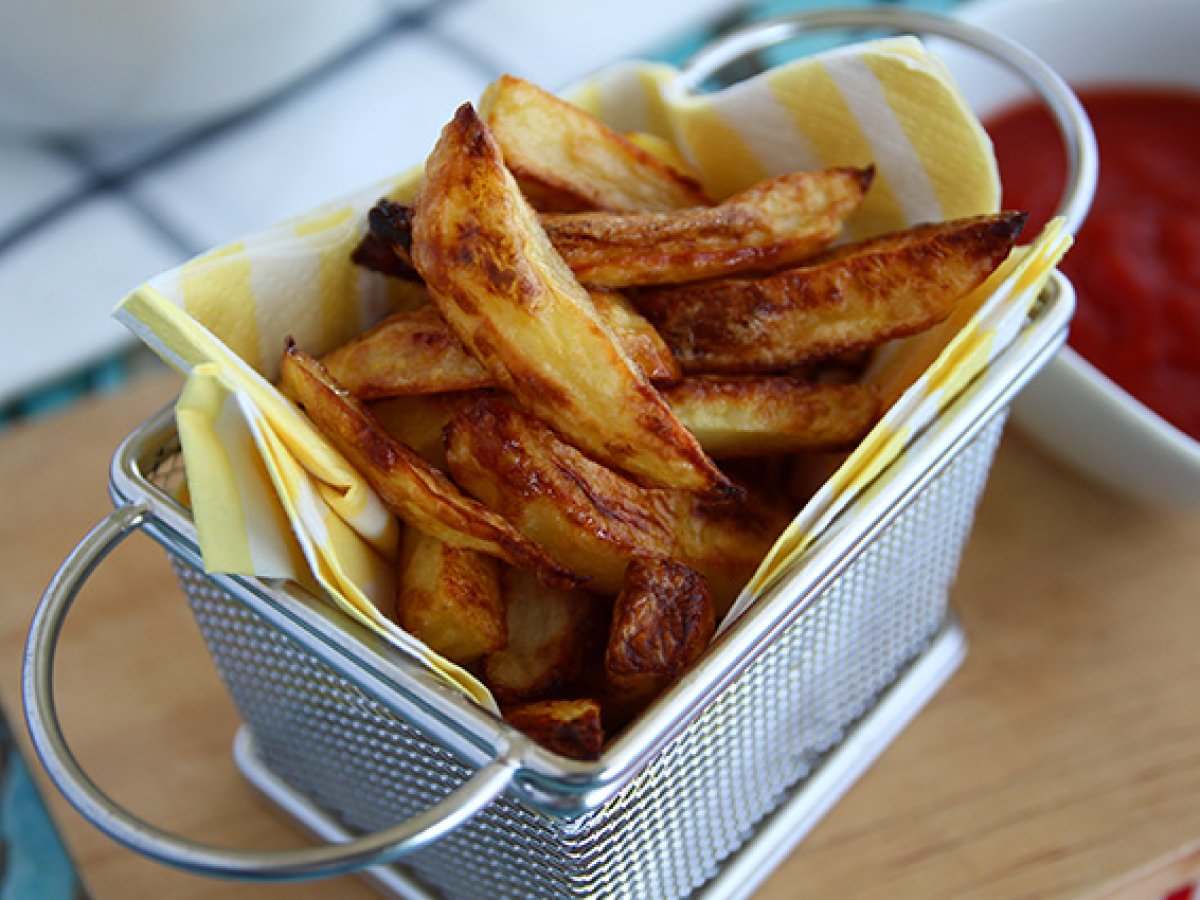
x,y
1161,428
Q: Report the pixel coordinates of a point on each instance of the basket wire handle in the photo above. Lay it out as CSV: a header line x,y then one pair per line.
x,y
93,803
1069,116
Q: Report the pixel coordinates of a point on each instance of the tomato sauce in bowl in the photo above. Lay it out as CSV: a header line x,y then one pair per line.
x,y
1136,260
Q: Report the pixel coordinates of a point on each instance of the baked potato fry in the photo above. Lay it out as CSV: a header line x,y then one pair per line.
x,y
570,728
590,518
413,489
568,160
594,520
418,421
412,352
725,542
416,352
663,619
857,296
449,598
551,635
757,415
638,338
777,222
516,306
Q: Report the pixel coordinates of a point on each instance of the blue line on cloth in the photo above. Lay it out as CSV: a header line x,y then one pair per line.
x,y
63,392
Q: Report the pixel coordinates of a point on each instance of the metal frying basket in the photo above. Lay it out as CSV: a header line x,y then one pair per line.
x,y
719,778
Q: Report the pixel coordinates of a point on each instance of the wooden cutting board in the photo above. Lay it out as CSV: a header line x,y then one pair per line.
x,y
1062,760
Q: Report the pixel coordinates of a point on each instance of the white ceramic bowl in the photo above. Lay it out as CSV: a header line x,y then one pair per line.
x,y
1071,408
77,66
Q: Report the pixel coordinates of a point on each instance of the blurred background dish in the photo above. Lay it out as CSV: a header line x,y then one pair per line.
x,y
1122,404
72,66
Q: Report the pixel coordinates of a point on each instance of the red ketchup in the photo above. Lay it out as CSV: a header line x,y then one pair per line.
x,y
1136,261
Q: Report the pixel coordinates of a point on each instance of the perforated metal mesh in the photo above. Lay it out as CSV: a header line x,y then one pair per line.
x,y
667,832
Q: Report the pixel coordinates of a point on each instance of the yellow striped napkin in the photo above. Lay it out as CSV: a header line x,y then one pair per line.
x,y
272,498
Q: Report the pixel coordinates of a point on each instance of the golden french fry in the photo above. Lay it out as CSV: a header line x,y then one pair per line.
x,y
726,541
416,352
590,518
413,489
778,222
570,728
551,635
860,295
755,415
663,619
449,598
567,160
417,421
516,306
775,223
638,338
412,352
537,394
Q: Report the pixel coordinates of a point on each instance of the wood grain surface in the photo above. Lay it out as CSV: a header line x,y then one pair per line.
x,y
1062,760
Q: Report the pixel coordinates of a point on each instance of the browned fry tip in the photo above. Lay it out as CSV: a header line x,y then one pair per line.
x,y
570,728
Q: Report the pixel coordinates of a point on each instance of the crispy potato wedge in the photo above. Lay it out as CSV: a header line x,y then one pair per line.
x,y
638,338
412,352
857,296
551,634
449,598
775,223
663,619
568,160
594,520
726,541
419,420
416,352
754,415
413,489
516,306
570,728
587,516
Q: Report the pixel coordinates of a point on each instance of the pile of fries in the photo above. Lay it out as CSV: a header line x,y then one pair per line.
x,y
593,416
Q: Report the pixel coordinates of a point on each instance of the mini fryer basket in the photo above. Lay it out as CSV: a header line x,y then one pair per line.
x,y
353,737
